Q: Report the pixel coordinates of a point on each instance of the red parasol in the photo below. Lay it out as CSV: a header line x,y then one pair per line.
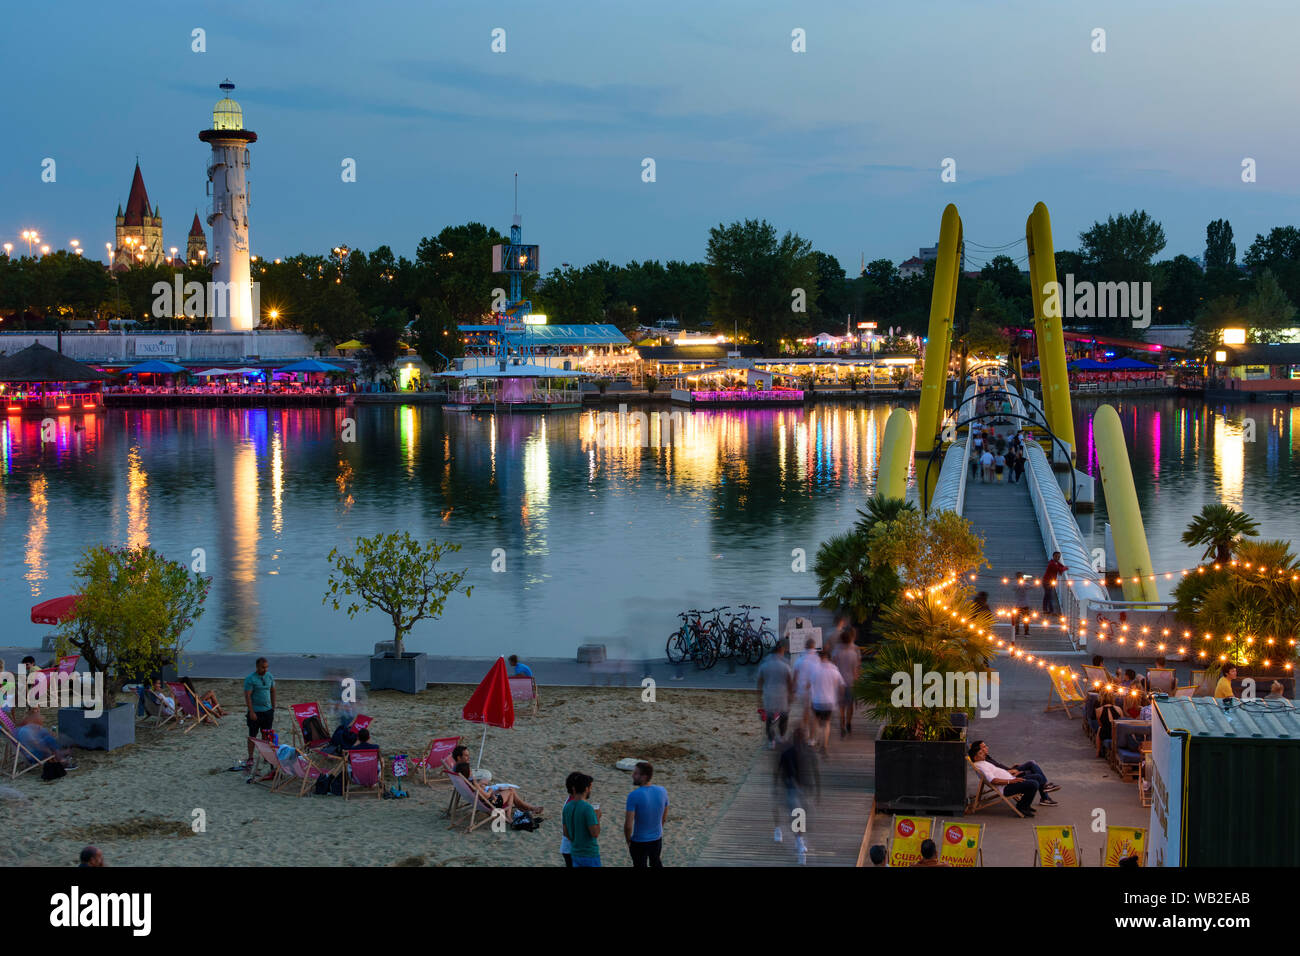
x,y
491,703
55,609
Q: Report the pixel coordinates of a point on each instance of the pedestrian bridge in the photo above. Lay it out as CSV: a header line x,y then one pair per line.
x,y
1022,523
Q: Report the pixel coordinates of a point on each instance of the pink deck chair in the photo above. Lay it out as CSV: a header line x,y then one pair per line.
x,y
363,770
189,707
465,799
66,665
9,739
300,768
302,713
361,722
438,758
264,752
524,690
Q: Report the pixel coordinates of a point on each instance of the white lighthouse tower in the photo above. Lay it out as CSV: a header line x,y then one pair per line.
x,y
231,302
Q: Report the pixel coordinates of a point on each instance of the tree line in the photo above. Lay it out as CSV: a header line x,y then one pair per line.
x,y
771,287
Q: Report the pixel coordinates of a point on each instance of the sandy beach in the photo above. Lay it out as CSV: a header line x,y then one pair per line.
x,y
138,804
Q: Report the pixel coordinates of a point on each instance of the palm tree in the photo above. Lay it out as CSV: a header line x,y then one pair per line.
x,y
1257,611
848,580
879,508
1219,527
922,632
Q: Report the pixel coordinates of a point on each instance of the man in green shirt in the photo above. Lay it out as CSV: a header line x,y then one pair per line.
x,y
259,699
582,823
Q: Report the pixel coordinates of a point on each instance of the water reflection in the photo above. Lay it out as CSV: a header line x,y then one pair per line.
x,y
38,527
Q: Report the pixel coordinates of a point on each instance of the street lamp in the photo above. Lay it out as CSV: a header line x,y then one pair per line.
x,y
45,250
9,248
173,254
31,235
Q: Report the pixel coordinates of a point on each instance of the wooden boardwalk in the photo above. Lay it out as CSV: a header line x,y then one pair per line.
x,y
836,823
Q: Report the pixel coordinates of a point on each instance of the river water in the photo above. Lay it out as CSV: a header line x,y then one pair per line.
x,y
594,538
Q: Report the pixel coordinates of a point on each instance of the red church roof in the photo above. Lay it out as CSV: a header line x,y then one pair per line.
x,y
137,204
196,229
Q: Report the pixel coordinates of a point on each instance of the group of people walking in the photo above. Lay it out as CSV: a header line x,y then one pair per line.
x,y
997,458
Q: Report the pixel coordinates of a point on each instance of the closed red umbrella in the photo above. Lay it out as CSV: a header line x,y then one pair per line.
x,y
55,609
491,703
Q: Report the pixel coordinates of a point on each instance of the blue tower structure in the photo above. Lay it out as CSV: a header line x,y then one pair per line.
x,y
508,332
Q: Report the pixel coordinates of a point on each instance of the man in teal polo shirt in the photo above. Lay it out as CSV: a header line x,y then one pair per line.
x,y
259,698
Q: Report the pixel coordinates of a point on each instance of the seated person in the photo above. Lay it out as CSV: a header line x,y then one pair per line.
x,y
504,798
1223,688
166,702
207,702
36,737
1107,713
1025,771
521,670
1137,693
1144,712
1276,692
1006,782
1128,677
363,741
1099,661
929,855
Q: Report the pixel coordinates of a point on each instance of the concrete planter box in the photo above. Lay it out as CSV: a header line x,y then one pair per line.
x,y
410,674
110,730
921,776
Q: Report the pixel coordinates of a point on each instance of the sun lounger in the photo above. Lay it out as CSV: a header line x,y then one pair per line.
x,y
264,753
363,770
301,770
189,707
988,795
437,759
465,799
24,759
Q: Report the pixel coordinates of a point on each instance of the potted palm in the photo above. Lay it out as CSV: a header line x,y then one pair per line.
x,y
132,616
1219,528
398,576
848,579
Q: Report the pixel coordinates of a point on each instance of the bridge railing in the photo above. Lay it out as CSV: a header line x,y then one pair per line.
x,y
950,489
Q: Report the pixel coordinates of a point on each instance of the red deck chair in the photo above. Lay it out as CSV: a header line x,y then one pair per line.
x,y
361,722
363,770
189,707
301,714
437,759
524,691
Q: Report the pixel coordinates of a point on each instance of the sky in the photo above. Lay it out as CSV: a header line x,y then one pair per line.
x,y
842,143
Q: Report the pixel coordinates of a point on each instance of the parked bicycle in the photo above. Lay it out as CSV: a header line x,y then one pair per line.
x,y
691,642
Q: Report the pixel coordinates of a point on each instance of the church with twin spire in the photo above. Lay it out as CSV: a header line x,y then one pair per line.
x,y
139,232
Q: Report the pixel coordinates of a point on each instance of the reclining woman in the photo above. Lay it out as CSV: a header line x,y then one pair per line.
x,y
207,701
504,798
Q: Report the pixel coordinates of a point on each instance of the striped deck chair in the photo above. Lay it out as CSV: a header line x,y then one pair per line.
x,y
363,770
189,707
11,744
465,799
438,758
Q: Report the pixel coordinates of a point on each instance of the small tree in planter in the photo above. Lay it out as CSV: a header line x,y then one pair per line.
x,y
848,578
651,383
931,632
395,574
133,612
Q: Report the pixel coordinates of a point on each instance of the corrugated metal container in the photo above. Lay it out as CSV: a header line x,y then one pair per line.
x,y
1226,783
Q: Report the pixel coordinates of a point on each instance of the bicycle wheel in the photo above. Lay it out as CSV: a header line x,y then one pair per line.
x,y
677,646
755,648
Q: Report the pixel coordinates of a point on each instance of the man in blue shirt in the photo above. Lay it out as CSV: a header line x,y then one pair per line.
x,y
647,810
521,670
259,699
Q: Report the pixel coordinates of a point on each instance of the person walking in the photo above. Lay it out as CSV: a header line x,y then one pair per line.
x,y
566,845
259,700
824,688
581,821
1019,464
775,690
1052,603
999,466
848,659
646,814
986,463
795,773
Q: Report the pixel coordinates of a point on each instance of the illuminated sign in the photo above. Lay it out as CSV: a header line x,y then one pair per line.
x,y
783,395
1234,336
1220,356
866,325
536,318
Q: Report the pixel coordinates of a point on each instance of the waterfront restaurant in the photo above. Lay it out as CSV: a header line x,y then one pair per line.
x,y
1256,368
38,380
599,349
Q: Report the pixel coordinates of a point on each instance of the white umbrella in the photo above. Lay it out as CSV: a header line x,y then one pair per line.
x,y
207,372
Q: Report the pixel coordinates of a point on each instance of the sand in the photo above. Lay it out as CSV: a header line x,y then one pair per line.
x,y
139,803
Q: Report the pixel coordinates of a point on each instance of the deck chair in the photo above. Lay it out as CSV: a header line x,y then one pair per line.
x,y
464,799
191,708
361,722
308,725
1067,689
155,713
21,754
1056,845
368,769
301,770
1188,691
1122,842
988,795
1092,673
264,752
1160,680
524,690
437,759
